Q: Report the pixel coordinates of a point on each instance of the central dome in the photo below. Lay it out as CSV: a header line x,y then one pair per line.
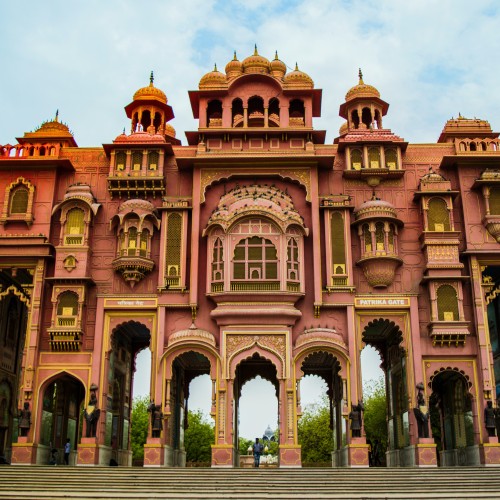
x,y
361,90
256,63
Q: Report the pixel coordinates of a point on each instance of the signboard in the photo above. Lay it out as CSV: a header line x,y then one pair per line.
x,y
382,302
130,303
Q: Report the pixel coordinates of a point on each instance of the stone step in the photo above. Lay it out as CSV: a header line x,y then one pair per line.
x,y
17,482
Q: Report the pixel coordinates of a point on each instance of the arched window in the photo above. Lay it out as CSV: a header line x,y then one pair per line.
x,y
379,236
74,227
356,159
132,241
153,159
367,238
494,201
292,261
447,303
255,112
297,113
144,243
67,304
438,215
391,159
338,243
355,118
120,160
274,112
146,120
218,261
19,200
366,117
137,160
374,157
255,259
472,146
214,113
237,113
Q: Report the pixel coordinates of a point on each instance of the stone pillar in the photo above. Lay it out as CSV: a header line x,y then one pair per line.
x,y
425,453
289,449
23,452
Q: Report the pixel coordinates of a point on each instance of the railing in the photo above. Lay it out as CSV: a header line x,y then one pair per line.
x,y
217,287
62,321
293,287
255,286
73,240
339,281
172,281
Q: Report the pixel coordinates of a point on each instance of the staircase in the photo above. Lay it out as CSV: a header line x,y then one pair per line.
x,y
35,482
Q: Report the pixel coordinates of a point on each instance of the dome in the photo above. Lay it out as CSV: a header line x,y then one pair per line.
x,y
136,205
344,128
150,92
375,209
278,68
362,90
298,79
192,334
213,79
169,130
432,176
234,67
53,128
139,137
255,63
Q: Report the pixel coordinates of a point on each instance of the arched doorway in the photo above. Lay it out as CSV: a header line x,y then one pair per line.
x,y
386,337
13,322
451,418
126,342
326,366
62,407
185,368
246,371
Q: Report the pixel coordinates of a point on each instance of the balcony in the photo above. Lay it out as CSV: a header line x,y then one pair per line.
x,y
133,268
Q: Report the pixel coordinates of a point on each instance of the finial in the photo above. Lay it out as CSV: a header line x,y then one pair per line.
x,y
235,58
276,58
151,78
123,131
215,66
360,74
57,115
296,67
255,53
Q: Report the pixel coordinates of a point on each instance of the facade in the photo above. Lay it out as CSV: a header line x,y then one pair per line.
x,y
255,249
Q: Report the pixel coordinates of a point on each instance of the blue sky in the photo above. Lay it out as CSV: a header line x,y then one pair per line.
x,y
430,59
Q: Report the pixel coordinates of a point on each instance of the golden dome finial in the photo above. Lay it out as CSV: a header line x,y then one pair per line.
x,y
276,58
360,74
235,58
255,52
57,116
215,66
296,67
151,79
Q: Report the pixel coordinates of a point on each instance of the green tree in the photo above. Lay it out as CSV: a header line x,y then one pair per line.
x,y
315,435
139,429
375,414
244,444
198,437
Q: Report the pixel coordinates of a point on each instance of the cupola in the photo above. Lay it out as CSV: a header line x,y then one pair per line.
x,y
213,80
297,79
256,63
233,68
278,67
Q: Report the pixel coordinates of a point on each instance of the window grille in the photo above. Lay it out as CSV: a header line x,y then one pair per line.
x,y
379,236
143,249
390,238
292,264
74,229
391,159
120,160
338,242
19,201
495,201
374,157
255,258
367,236
68,304
153,159
132,241
447,303
174,240
438,215
218,261
356,159
137,160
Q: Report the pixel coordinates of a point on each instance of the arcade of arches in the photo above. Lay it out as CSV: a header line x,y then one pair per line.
x,y
254,248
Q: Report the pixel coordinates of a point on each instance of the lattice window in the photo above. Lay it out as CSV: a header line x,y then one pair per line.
x,y
19,200
67,310
132,241
174,240
144,243
391,159
356,159
438,215
367,238
153,160
218,261
374,157
74,227
447,303
120,160
390,238
495,201
137,160
379,236
255,259
122,243
338,243
292,264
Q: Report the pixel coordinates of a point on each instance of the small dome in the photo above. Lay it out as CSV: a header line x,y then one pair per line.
x,y
136,205
139,137
344,128
432,176
234,67
150,92
213,79
53,128
375,209
169,130
255,63
278,68
298,79
361,90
